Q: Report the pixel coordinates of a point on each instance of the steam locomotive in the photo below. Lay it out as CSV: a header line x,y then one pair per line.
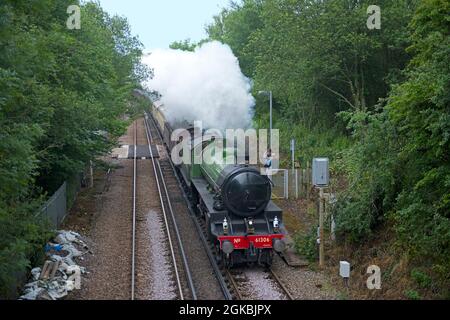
x,y
234,200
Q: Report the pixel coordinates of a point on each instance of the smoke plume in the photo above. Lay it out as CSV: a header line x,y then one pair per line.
x,y
205,85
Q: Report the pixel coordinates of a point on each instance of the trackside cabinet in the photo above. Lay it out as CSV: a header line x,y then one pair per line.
x,y
320,172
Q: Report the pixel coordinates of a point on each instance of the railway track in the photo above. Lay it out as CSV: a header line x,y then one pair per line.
x,y
164,189
281,285
224,282
185,288
227,281
241,285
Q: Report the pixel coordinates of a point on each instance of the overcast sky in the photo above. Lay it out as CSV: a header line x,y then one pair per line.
x,y
160,22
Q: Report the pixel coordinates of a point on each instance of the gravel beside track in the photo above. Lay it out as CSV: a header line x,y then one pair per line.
x,y
303,284
154,268
109,267
260,286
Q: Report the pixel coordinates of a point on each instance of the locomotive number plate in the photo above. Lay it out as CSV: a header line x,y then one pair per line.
x,y
262,240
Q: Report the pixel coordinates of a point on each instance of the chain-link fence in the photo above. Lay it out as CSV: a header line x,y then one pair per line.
x,y
291,184
303,182
280,179
55,209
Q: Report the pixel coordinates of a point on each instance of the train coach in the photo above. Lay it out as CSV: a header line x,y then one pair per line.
x,y
234,200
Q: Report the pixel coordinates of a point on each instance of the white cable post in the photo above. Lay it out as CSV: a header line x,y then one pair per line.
x,y
344,271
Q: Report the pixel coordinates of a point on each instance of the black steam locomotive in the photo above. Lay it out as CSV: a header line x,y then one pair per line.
x,y
235,200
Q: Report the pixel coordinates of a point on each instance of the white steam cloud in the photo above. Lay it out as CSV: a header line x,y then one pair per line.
x,y
205,85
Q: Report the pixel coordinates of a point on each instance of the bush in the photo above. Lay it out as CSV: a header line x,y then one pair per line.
x,y
423,280
373,175
306,244
412,295
23,235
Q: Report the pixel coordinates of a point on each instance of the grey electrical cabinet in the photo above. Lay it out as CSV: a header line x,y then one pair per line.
x,y
320,172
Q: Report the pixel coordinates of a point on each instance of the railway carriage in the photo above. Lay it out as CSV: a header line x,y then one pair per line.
x,y
234,200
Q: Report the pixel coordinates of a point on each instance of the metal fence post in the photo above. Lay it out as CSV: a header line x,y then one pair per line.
x,y
286,184
321,234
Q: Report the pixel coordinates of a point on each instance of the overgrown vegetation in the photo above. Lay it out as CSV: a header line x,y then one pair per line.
x,y
306,244
399,163
375,101
319,59
60,91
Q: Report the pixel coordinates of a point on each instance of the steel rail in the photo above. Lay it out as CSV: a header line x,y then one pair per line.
x,y
163,207
133,241
278,280
175,225
234,284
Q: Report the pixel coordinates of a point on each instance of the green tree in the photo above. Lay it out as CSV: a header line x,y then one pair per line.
x,y
234,26
185,45
60,90
420,109
319,59
399,167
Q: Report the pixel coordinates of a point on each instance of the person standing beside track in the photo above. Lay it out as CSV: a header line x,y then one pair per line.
x,y
268,157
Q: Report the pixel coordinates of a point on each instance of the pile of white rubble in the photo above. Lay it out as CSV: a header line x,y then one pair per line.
x,y
67,277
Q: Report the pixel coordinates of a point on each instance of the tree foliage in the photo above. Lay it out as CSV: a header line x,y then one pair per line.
x,y
400,161
185,45
375,101
318,57
60,89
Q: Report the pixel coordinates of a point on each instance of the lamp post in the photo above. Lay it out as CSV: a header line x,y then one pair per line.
x,y
269,93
